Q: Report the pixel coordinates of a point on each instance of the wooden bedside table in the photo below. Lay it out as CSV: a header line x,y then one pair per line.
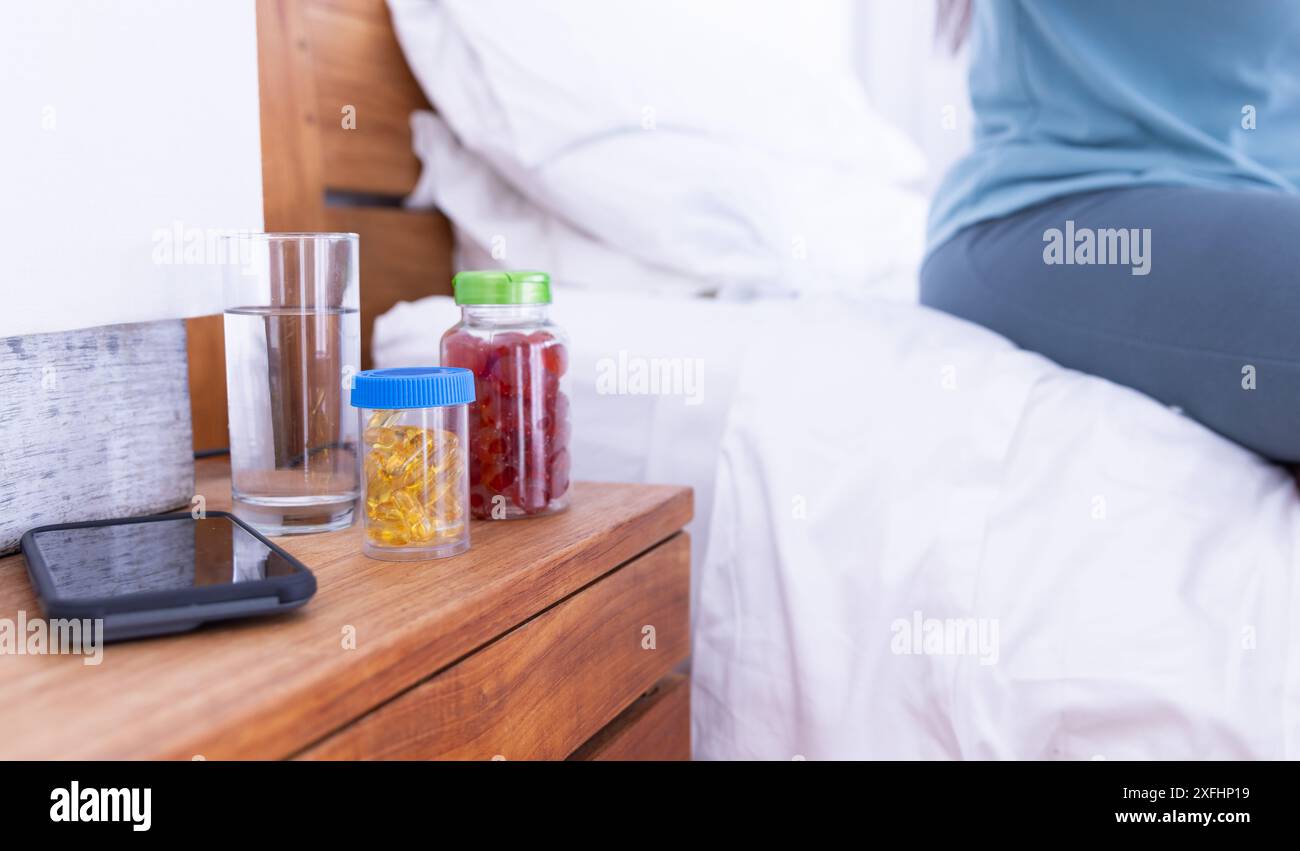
x,y
551,638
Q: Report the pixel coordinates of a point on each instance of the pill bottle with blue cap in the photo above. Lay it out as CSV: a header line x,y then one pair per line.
x,y
414,471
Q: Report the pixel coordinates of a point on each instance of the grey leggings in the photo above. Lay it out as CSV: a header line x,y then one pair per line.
x,y
1213,327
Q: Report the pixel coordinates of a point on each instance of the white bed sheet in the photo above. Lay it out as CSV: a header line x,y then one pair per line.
x,y
884,464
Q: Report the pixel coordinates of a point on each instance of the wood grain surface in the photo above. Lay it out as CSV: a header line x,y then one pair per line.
x,y
550,684
270,688
359,72
93,424
656,727
206,353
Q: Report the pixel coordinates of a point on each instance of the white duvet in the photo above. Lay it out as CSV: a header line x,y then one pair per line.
x,y
928,544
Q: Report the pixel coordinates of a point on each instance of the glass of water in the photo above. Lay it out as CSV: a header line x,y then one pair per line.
x,y
293,343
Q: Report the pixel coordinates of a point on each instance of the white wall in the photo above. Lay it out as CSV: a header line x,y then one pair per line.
x,y
123,121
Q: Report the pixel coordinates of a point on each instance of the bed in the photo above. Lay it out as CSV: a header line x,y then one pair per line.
x,y
914,540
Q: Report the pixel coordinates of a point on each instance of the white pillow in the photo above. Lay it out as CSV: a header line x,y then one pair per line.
x,y
726,140
496,226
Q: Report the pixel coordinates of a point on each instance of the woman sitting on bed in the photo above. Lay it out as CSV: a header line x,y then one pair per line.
x,y
1130,207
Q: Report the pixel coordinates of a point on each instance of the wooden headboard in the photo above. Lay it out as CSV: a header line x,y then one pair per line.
x,y
336,98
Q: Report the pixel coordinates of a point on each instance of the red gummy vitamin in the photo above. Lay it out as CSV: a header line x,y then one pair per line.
x,y
519,423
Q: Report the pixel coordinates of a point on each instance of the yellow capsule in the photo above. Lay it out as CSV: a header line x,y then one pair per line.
x,y
390,537
380,488
409,434
383,419
411,474
423,529
424,444
407,505
441,462
388,513
380,437
437,494
413,481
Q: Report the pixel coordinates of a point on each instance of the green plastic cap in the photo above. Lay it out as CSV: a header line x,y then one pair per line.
x,y
501,286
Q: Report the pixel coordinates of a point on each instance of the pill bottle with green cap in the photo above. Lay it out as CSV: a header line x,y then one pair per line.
x,y
519,422
415,471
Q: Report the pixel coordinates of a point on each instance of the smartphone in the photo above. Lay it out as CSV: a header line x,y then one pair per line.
x,y
162,574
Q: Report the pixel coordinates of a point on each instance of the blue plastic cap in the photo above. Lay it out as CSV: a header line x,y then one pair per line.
x,y
412,387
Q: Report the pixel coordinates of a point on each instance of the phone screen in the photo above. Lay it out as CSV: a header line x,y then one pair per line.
x,y
158,555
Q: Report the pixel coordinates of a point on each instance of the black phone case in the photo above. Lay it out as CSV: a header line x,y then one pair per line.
x,y
164,612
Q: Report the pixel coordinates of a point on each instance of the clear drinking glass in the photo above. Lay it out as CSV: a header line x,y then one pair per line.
x,y
293,343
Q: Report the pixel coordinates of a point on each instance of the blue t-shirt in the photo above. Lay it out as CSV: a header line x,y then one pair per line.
x,y
1077,95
